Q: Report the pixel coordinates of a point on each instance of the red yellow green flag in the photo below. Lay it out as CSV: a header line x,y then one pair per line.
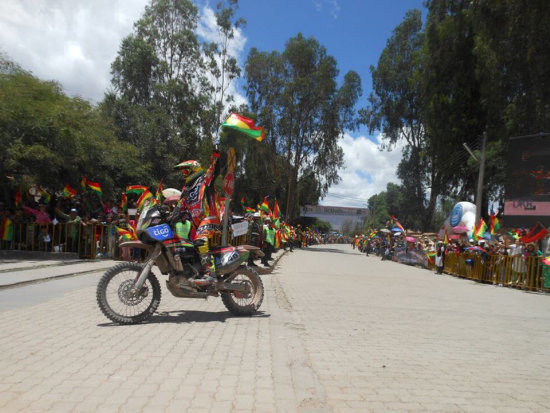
x,y
494,224
124,202
126,235
147,195
83,183
158,196
95,186
6,229
136,189
46,197
69,192
446,239
244,126
482,227
265,206
276,211
18,199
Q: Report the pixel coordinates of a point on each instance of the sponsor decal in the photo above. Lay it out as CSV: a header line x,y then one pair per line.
x,y
161,232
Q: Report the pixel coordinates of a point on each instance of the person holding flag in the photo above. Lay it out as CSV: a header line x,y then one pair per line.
x,y
198,197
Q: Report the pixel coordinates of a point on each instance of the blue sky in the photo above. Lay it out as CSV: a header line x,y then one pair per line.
x,y
353,31
75,41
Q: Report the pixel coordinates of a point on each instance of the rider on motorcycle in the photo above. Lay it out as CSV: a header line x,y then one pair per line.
x,y
198,197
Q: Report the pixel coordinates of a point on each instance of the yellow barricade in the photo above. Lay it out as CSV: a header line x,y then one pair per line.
x,y
517,271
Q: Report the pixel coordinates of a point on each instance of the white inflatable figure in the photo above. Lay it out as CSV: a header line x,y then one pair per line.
x,y
463,214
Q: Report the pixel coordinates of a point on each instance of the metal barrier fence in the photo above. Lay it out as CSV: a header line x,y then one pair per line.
x,y
527,273
89,241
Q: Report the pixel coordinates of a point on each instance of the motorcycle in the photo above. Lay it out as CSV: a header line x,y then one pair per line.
x,y
130,293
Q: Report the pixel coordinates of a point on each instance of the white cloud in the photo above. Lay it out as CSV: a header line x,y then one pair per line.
x,y
366,172
332,5
72,42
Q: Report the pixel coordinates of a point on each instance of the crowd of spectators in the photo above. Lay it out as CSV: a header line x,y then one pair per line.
x,y
64,225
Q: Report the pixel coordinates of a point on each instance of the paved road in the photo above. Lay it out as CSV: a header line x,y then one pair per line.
x,y
338,332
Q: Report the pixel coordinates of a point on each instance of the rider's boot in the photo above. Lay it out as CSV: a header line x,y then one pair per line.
x,y
209,277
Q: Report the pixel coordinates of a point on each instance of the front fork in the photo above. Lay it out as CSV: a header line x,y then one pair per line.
x,y
147,269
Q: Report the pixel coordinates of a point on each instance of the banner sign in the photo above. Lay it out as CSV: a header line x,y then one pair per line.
x,y
527,187
410,257
240,228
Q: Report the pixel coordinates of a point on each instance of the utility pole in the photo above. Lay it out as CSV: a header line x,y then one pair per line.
x,y
480,176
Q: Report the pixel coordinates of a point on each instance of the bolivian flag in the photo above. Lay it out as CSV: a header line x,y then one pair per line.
x,y
265,207
146,196
69,192
95,186
136,189
244,126
125,235
276,210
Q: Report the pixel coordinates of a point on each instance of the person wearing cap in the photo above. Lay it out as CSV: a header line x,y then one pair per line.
x,y
72,221
268,241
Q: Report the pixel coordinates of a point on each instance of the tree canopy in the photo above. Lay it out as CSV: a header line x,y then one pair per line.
x,y
297,99
52,139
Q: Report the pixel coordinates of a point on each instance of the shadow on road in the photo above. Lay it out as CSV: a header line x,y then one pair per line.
x,y
181,316
325,250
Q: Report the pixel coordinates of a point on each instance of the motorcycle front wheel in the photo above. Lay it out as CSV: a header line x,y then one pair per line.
x,y
245,304
117,299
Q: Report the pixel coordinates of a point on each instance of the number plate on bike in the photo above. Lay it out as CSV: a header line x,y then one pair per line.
x,y
160,232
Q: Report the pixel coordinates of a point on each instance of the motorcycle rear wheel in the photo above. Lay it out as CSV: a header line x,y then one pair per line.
x,y
245,304
114,296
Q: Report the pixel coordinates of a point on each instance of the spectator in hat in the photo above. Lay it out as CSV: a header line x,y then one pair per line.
x,y
72,224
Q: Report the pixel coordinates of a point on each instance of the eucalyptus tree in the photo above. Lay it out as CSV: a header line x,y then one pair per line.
x,y
297,98
222,62
162,85
396,109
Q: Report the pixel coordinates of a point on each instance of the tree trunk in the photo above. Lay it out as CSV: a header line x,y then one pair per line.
x,y
291,192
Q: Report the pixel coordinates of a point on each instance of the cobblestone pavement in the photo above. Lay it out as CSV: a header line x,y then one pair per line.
x,y
338,331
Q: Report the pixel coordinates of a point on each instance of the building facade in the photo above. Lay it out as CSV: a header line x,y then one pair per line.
x,y
336,215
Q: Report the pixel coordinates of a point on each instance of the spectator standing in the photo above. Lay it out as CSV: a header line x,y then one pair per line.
x,y
268,241
72,222
254,234
440,258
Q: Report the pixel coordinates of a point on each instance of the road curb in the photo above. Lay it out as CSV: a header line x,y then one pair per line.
x,y
46,279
